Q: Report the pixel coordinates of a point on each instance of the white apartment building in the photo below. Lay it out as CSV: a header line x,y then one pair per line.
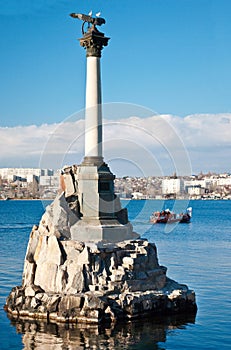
x,y
204,183
226,181
25,173
193,183
22,172
172,186
51,181
195,190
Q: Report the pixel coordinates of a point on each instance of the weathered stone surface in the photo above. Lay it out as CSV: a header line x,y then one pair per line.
x,y
58,218
52,302
45,276
84,257
32,244
31,290
70,302
75,279
92,284
28,273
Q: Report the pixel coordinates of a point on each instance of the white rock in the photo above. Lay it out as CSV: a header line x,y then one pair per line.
x,y
84,257
32,245
59,217
29,292
75,282
54,254
128,262
45,276
28,273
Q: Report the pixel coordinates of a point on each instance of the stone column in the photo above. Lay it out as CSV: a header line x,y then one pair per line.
x,y
93,114
93,41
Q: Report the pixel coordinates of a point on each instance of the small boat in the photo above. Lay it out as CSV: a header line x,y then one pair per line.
x,y
168,217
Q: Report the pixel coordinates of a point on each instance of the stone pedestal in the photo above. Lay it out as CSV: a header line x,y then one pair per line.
x,y
101,215
96,192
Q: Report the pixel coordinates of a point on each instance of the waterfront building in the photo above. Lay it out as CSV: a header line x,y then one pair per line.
x,y
51,181
196,190
224,181
172,186
9,173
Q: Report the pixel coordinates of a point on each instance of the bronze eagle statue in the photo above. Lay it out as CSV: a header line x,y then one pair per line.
x,y
95,21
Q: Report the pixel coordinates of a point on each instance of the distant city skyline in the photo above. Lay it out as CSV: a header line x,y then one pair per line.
x,y
171,57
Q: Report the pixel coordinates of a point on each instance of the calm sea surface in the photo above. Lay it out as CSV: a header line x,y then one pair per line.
x,y
197,254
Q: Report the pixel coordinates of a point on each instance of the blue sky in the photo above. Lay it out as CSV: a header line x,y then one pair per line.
x,y
171,56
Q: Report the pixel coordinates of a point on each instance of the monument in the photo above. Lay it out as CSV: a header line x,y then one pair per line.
x,y
83,262
102,218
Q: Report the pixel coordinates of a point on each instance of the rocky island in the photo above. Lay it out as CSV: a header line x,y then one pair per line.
x,y
65,280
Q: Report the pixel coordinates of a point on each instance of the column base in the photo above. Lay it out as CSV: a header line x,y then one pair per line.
x,y
93,160
93,230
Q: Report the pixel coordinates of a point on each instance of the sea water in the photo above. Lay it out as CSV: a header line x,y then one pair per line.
x,y
196,254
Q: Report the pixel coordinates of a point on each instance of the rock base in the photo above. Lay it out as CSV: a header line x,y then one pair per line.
x,y
69,281
66,280
96,308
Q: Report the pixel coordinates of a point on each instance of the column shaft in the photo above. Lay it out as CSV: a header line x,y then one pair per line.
x,y
93,115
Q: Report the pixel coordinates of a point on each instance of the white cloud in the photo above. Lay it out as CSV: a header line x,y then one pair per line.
x,y
143,146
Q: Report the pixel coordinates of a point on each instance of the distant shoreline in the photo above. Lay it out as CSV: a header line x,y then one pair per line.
x,y
26,199
123,199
